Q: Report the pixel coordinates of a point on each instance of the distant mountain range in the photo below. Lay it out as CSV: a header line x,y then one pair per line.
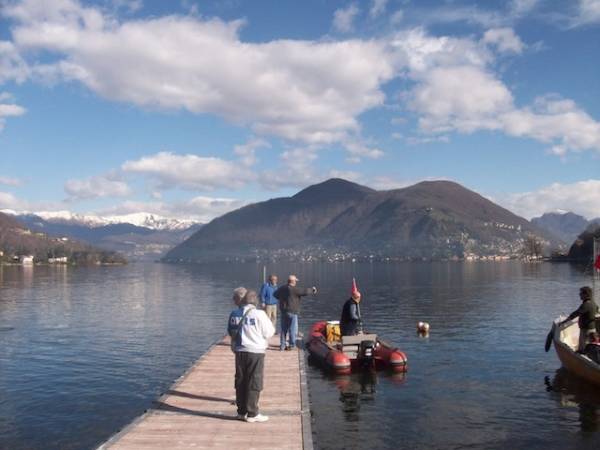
x,y
136,242
17,240
142,220
338,218
566,226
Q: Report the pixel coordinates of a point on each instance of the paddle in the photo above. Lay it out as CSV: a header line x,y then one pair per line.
x,y
549,339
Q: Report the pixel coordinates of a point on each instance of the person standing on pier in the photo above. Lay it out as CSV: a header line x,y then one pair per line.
x,y
236,315
238,295
289,306
268,300
251,339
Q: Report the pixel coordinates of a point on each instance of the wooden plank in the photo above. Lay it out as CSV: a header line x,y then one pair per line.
x,y
199,411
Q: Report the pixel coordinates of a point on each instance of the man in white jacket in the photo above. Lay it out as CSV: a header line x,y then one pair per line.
x,y
251,329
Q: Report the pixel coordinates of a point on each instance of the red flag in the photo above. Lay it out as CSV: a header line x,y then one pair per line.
x,y
597,263
354,288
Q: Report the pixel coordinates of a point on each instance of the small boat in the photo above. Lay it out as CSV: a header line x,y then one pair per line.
x,y
343,354
566,340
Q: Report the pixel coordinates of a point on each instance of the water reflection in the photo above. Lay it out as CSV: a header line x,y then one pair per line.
x,y
573,392
355,389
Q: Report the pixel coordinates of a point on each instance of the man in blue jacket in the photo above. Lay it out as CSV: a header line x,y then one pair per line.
x,y
268,300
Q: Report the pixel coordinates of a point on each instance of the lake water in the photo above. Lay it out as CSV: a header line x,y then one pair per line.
x,y
83,351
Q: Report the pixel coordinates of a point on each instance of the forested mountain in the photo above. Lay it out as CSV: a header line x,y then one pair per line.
x,y
433,219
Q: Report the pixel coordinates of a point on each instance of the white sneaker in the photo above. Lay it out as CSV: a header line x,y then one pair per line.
x,y
241,416
257,418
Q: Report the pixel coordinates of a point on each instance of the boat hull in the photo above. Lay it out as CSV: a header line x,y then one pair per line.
x,y
565,339
385,356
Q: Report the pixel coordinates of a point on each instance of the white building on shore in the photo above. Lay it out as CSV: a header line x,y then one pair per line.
x,y
26,260
59,260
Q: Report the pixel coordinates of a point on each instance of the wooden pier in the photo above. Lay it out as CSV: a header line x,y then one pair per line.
x,y
199,411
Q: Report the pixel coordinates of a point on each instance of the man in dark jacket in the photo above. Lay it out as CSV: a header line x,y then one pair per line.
x,y
587,315
351,321
289,307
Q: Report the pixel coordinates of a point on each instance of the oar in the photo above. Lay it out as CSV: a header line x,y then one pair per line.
x,y
549,339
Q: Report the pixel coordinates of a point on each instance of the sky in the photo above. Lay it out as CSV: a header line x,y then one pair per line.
x,y
189,109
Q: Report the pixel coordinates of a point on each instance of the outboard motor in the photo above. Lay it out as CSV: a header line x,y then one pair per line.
x,y
366,353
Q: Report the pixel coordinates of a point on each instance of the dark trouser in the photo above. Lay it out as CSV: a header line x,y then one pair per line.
x,y
349,329
249,368
583,337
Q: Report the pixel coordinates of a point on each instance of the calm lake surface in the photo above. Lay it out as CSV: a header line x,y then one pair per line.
x,y
83,351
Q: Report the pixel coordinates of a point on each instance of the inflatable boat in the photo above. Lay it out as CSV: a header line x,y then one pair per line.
x,y
345,354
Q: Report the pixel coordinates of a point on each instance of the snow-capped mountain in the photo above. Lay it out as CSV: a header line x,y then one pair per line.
x,y
145,220
138,236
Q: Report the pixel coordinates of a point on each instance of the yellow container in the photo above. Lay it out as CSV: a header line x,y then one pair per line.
x,y
333,332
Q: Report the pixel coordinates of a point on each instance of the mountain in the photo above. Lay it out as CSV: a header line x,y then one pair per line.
x,y
134,241
565,226
582,249
18,240
142,220
434,219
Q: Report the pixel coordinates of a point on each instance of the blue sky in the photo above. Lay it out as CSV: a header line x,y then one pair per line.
x,y
189,109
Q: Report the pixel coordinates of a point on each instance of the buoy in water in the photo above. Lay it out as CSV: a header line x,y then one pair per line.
x,y
423,327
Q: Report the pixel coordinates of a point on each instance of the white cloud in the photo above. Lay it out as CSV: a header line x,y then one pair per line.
x,y
189,171
555,121
9,201
12,65
96,187
397,17
504,39
10,181
310,91
475,15
9,110
420,140
588,13
247,151
296,168
378,7
415,53
306,92
457,90
463,98
386,183
581,197
520,8
358,149
349,175
343,18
